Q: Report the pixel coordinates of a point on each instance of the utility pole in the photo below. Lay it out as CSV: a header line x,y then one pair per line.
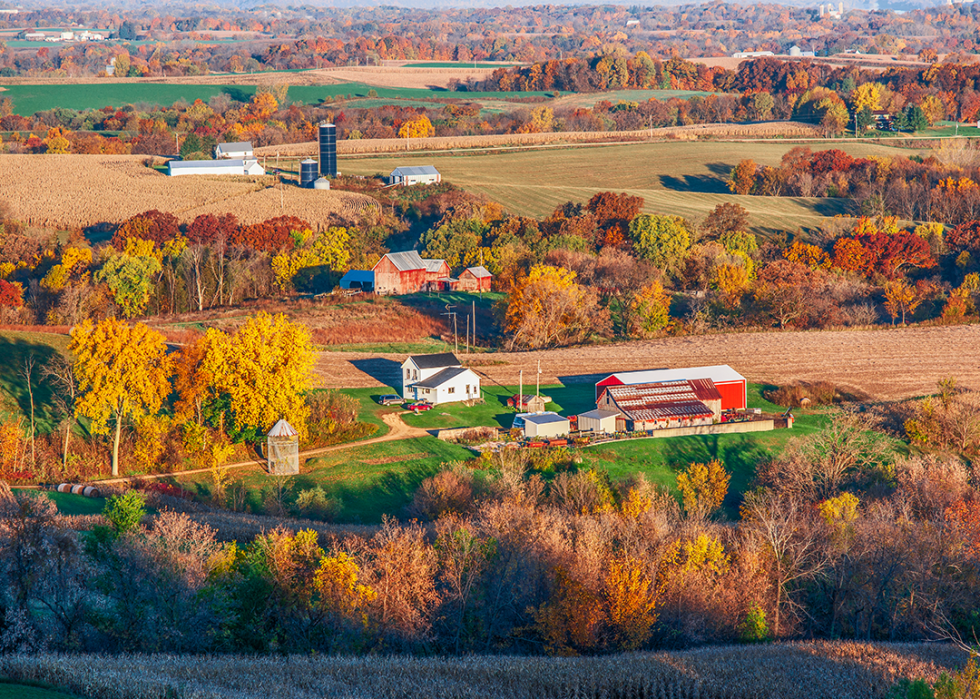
x,y
537,387
520,392
467,334
474,324
451,312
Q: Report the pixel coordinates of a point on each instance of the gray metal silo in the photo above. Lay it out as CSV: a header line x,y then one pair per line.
x,y
328,150
307,172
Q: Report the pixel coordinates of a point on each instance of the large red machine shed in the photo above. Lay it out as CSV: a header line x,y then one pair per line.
x,y
732,386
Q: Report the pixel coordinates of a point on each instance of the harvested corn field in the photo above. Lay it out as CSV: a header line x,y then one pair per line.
x,y
682,133
813,670
887,364
77,191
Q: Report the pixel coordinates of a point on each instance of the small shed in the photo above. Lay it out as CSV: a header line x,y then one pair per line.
x,y
546,425
527,403
475,279
598,421
362,279
414,174
283,450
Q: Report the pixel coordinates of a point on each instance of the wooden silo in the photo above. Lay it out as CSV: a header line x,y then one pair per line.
x,y
283,450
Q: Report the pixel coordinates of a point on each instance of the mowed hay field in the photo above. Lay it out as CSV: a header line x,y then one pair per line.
x,y
887,364
808,670
682,178
76,191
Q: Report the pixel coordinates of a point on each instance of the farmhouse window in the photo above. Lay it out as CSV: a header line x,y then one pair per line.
x,y
452,389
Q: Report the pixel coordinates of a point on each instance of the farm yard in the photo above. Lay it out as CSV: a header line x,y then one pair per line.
x,y
886,364
77,191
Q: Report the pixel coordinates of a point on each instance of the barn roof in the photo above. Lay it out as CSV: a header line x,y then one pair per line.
x,y
433,265
405,261
442,377
599,414
718,374
659,401
282,429
434,361
479,272
544,418
358,275
414,170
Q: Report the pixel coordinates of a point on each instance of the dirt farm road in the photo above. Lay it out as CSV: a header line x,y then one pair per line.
x,y
887,364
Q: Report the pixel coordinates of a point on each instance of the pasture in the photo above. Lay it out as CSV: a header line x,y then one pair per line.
x,y
681,178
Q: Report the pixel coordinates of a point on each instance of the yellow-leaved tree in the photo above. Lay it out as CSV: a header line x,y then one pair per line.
x,y
328,250
703,488
548,308
123,374
417,127
263,370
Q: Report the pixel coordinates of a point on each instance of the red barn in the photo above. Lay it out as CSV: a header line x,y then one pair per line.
x,y
475,279
407,273
729,383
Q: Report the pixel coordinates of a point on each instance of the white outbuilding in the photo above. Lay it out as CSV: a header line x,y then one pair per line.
x,y
240,150
450,385
414,174
598,421
543,425
283,449
176,168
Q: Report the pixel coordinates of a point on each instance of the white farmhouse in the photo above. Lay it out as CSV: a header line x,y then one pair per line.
x,y
240,150
422,366
447,386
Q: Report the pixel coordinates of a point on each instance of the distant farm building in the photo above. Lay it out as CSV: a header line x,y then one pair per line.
x,y
729,383
752,54
283,449
407,273
176,168
415,174
438,378
362,279
653,406
240,150
475,279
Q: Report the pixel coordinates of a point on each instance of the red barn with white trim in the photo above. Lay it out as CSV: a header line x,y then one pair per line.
x,y
730,384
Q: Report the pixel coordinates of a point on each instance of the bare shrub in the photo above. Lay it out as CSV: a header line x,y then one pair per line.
x,y
449,491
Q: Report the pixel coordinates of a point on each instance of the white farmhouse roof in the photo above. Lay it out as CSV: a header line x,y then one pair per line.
x,y
236,147
443,377
414,171
282,429
720,373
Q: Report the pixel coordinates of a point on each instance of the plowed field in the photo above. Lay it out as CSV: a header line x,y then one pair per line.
x,y
76,191
888,364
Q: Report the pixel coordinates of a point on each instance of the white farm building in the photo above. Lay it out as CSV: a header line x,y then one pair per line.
x,y
447,386
176,168
415,174
438,378
547,424
240,150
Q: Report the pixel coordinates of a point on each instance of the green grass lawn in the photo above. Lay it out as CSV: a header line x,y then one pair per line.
x,y
370,481
69,504
494,412
681,178
29,99
423,346
370,411
15,393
